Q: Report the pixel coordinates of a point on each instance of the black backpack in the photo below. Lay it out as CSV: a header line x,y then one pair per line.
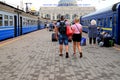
x,y
62,28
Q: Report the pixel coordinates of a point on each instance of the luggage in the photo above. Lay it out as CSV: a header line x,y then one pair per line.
x,y
101,44
106,42
83,41
54,37
111,43
50,29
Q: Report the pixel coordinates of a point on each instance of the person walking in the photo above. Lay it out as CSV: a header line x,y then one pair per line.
x,y
92,32
39,23
77,35
63,38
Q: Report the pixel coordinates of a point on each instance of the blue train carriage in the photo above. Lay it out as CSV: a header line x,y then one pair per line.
x,y
15,22
108,19
6,21
29,23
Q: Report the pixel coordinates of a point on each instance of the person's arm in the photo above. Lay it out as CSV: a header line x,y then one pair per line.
x,y
72,28
56,29
56,32
81,30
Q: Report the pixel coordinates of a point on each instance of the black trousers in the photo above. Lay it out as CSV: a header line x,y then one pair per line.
x,y
92,40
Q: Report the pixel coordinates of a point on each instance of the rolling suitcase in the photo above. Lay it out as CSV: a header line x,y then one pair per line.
x,y
83,41
106,42
54,37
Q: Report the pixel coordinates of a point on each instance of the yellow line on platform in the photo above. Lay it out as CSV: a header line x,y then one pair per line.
x,y
11,41
116,48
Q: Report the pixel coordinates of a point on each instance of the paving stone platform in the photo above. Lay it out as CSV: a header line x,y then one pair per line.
x,y
35,57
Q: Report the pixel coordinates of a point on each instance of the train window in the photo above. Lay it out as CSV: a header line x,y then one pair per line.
x,y
30,22
85,21
114,23
114,26
11,20
24,22
103,22
6,20
98,22
106,24
1,19
110,21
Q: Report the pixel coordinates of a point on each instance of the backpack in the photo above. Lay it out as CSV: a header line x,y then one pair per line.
x,y
62,28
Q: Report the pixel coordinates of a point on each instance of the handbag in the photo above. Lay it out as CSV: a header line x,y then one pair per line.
x,y
69,31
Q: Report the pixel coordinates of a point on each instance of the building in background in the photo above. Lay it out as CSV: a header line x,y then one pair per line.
x,y
68,8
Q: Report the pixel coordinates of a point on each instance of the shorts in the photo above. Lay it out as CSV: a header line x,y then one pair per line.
x,y
76,37
63,39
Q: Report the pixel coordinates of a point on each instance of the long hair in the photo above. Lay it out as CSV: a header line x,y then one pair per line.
x,y
76,20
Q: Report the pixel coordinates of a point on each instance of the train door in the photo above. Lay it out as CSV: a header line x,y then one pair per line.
x,y
20,26
114,28
15,26
118,26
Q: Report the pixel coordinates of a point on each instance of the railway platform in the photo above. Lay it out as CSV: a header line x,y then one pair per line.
x,y
34,56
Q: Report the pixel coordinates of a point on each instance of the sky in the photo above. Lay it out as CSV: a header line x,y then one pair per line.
x,y
36,4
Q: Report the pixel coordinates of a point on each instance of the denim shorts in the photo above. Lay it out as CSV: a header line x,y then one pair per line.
x,y
63,39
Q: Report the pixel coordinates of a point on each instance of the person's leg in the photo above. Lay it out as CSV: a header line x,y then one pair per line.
x,y
74,47
78,45
94,40
66,45
66,48
61,48
90,40
74,43
79,49
60,44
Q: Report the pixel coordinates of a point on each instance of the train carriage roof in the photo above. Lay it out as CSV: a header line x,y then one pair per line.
x,y
14,9
10,6
110,8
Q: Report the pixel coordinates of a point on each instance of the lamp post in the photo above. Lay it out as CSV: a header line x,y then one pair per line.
x,y
27,6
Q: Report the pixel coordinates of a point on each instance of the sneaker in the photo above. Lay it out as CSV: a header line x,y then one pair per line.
x,y
80,54
67,55
60,54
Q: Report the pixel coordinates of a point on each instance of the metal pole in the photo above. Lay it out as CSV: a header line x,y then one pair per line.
x,y
27,6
